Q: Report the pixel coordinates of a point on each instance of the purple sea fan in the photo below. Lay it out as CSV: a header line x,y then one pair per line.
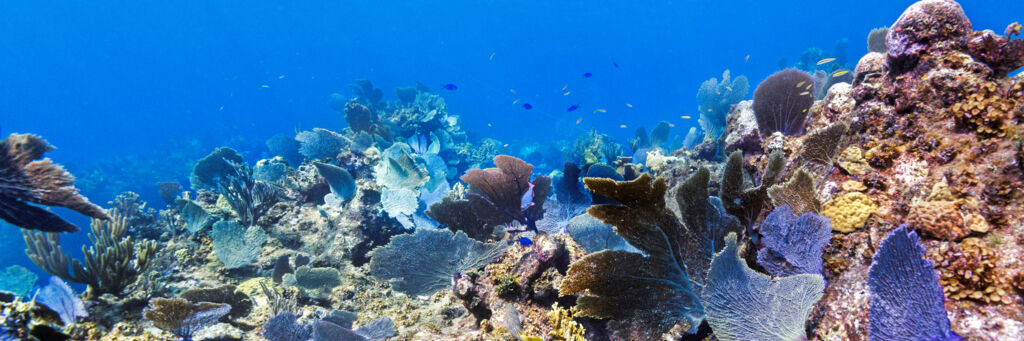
x,y
782,100
59,297
793,245
906,299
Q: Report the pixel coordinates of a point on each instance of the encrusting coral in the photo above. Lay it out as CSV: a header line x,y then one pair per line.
x,y
24,179
849,212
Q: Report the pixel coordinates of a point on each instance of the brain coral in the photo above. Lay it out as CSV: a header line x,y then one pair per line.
x,y
849,212
938,219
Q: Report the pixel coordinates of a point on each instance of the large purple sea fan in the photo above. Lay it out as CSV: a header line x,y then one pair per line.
x,y
782,100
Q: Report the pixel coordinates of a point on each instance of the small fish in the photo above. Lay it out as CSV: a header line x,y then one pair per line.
x,y
527,106
578,120
565,86
800,84
524,241
629,105
221,108
280,77
685,117
826,61
489,125
805,93
572,107
728,88
515,101
567,93
671,125
264,86
805,110
840,73
808,87
505,145
587,74
747,59
513,91
491,57
527,200
616,65
622,126
599,110
450,86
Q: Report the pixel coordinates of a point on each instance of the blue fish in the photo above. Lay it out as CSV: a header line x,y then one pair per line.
x,y
573,107
524,241
587,75
615,64
450,86
527,106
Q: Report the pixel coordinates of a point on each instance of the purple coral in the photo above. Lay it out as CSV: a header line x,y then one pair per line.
x,y
906,299
793,245
27,180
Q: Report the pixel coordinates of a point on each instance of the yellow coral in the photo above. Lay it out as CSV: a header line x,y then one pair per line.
x,y
853,162
849,212
563,325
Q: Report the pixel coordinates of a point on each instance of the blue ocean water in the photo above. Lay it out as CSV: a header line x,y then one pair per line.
x,y
119,86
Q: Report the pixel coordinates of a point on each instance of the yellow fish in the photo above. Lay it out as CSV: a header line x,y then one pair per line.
x,y
805,110
629,105
565,86
671,125
567,93
599,110
728,88
264,86
622,126
506,145
578,120
825,61
488,124
747,59
805,93
515,101
491,57
800,84
512,91
840,73
808,87
685,117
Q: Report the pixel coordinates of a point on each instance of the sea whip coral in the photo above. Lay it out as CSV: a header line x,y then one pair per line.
x,y
24,179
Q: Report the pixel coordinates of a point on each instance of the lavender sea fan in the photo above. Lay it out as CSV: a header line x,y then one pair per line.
x,y
906,299
59,297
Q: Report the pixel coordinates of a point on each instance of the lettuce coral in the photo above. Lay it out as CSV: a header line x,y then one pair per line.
x,y
743,304
27,180
906,300
849,212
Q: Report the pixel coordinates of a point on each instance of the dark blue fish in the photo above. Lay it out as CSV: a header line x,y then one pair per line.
x,y
615,64
527,106
524,241
573,107
587,75
450,86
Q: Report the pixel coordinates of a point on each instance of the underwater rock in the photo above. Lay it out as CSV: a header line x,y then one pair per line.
x,y
741,131
870,68
25,179
922,26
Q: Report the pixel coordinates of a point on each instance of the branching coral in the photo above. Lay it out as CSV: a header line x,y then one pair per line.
x,y
249,198
781,102
110,266
968,270
25,179
714,100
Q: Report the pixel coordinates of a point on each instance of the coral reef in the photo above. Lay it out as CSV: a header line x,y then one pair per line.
x,y
181,317
24,179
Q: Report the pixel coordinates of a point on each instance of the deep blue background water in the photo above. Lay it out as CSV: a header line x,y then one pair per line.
x,y
141,79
